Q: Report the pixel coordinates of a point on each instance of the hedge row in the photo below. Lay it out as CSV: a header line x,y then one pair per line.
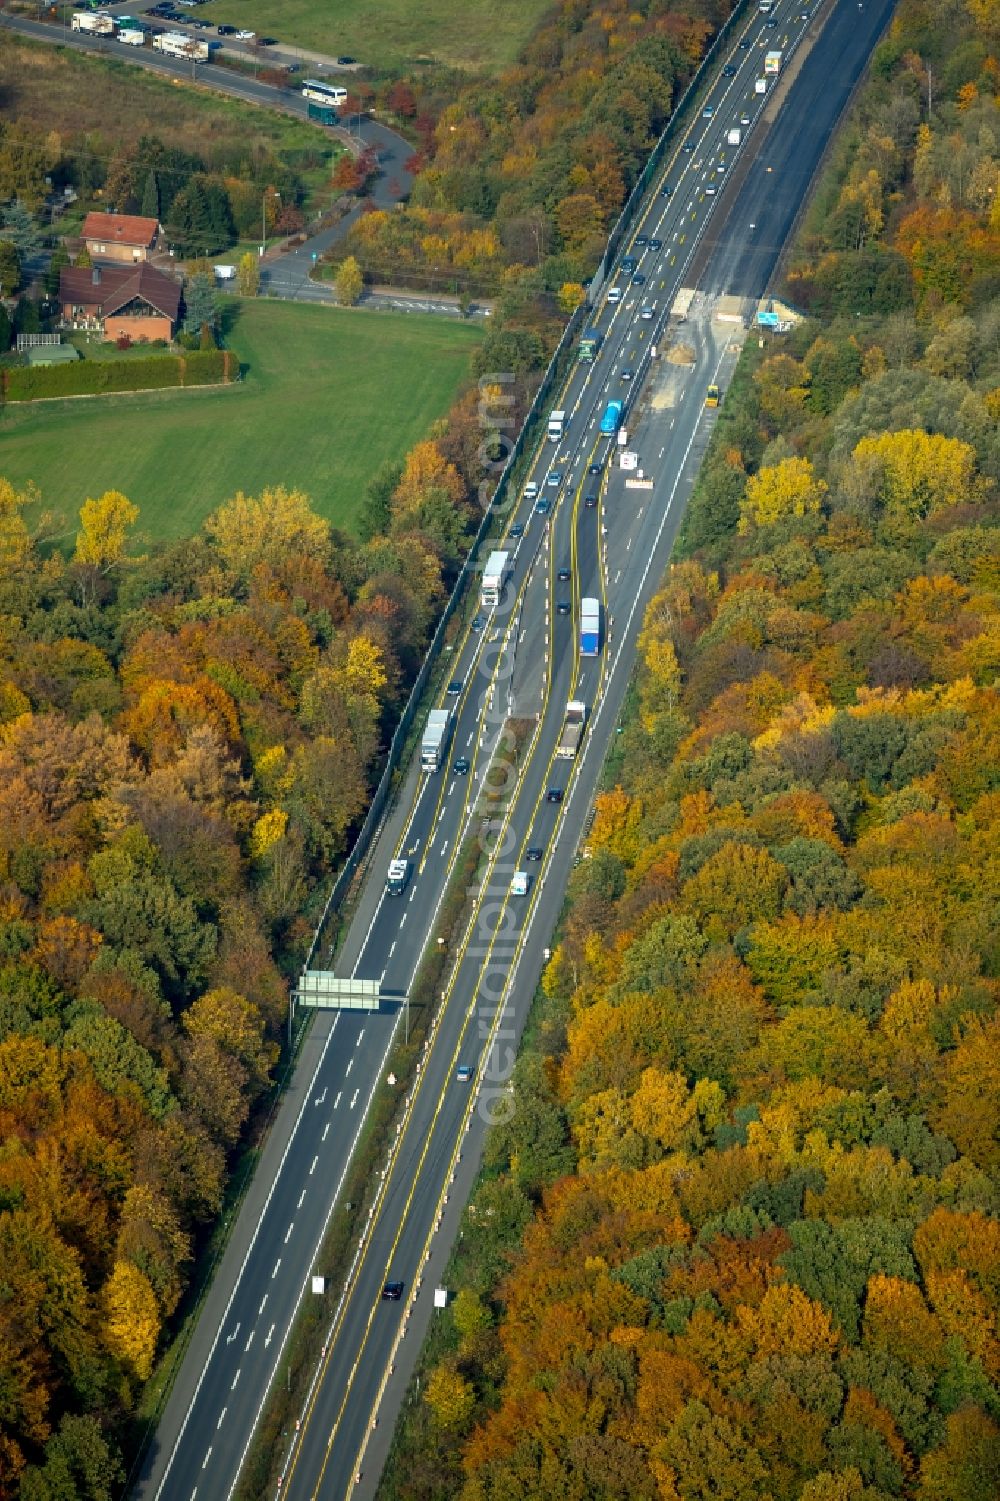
x,y
93,377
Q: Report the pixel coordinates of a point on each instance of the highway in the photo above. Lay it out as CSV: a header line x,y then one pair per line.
x,y
523,661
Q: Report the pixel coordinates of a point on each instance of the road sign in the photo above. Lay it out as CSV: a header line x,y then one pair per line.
x,y
323,990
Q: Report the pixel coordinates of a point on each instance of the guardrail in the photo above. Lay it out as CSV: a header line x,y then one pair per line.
x,y
469,569
549,381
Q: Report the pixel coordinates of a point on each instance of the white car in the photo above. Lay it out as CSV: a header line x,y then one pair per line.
x,y
648,312
531,490
614,294
246,36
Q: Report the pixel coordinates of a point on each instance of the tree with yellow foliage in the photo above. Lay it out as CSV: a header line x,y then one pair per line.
x,y
917,473
131,1318
776,493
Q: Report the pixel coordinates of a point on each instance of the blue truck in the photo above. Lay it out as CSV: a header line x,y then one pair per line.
x,y
612,419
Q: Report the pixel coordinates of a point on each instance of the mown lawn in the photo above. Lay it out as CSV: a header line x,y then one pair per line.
x,y
479,34
328,395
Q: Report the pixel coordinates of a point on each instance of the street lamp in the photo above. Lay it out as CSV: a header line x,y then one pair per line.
x,y
263,219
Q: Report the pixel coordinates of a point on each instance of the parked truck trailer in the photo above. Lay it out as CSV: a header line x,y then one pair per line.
x,y
97,25
179,44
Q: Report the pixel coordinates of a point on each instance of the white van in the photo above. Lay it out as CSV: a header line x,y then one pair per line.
x,y
614,294
397,877
519,883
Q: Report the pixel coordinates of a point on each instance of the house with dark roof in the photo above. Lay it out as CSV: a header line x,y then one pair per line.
x,y
138,301
125,239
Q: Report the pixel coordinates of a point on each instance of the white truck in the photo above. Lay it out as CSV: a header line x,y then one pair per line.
x,y
760,87
96,25
772,63
734,136
495,576
179,44
131,36
397,877
557,426
437,733
572,731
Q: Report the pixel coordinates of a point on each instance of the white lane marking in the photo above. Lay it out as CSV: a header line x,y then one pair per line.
x,y
243,1264
235,1379
470,739
261,1308
301,1197
249,1342
289,1231
232,1336
313,1167
392,949
335,1104
207,1457
222,1419
360,1035
277,1267
444,846
320,1097
325,1130
347,1070
354,1098
270,1333
402,919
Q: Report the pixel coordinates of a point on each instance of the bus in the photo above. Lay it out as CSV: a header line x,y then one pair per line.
x,y
590,343
324,93
612,419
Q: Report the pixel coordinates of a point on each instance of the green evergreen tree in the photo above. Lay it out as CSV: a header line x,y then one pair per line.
x,y
201,304
151,197
20,229
10,267
6,331
60,258
27,319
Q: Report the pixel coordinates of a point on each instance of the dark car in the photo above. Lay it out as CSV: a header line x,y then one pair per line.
x,y
638,279
267,41
455,686
227,30
534,852
689,145
293,67
744,44
345,61
563,575
666,191
563,607
593,468
543,506
640,242
461,765
554,795
517,530
590,501
656,244
392,1292
478,621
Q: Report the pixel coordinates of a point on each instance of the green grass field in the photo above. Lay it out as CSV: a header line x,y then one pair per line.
x,y
328,394
479,34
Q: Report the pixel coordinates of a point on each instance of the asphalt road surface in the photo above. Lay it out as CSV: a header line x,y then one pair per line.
x,y
522,658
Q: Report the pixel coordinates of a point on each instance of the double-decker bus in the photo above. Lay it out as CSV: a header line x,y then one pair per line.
x,y
324,93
